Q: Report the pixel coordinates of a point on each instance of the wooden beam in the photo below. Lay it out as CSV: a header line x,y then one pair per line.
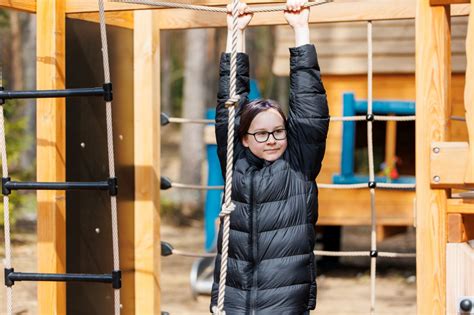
x,y
147,162
21,5
117,18
447,2
51,153
469,96
460,205
82,6
433,80
459,262
328,13
445,173
460,227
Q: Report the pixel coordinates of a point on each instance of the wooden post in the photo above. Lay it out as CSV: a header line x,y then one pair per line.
x,y
51,154
433,73
469,95
147,161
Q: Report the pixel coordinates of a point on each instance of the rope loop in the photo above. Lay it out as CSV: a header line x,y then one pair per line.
x,y
227,210
232,101
217,311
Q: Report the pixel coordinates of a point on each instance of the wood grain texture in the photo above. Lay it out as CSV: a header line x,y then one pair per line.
x,y
21,5
147,162
433,75
51,154
460,274
445,173
119,18
469,96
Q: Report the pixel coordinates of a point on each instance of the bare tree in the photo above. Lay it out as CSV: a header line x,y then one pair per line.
x,y
194,104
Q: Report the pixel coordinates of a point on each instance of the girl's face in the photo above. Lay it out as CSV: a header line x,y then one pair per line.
x,y
266,122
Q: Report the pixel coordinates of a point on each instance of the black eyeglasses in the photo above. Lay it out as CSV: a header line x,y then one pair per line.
x,y
262,136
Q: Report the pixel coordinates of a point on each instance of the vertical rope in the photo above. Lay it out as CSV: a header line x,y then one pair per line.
x,y
6,201
110,152
228,205
370,148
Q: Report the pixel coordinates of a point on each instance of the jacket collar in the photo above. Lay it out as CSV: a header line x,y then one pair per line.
x,y
255,160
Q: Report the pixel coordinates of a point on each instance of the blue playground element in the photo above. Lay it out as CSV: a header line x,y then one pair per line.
x,y
352,107
212,206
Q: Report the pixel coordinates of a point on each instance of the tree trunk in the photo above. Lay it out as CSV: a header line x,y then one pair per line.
x,y
165,73
16,75
194,104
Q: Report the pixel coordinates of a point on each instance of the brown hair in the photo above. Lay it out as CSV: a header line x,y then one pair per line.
x,y
252,109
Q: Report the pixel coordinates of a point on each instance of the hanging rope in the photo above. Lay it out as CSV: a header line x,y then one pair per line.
x,y
370,148
229,206
110,153
6,201
177,5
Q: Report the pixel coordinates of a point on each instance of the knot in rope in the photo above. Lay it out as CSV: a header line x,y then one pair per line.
x,y
216,311
232,101
227,210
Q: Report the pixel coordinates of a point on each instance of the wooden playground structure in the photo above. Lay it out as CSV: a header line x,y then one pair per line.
x,y
444,214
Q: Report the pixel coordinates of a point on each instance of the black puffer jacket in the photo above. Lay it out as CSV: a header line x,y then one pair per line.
x,y
271,267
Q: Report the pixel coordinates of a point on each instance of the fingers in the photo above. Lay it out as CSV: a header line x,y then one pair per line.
x,y
295,5
242,9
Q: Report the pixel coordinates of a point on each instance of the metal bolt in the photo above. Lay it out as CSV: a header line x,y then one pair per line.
x,y
83,145
436,150
436,179
97,230
120,137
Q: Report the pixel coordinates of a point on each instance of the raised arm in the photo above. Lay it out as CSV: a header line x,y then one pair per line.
x,y
308,119
224,78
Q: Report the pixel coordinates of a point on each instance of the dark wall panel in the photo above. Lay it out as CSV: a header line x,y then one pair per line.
x,y
89,239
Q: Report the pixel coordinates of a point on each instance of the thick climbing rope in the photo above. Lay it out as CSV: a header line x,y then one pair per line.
x,y
110,153
258,9
6,203
229,206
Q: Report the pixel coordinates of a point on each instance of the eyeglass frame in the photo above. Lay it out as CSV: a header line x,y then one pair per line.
x,y
268,135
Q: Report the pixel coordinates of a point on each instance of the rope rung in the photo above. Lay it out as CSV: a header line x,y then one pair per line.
x,y
115,278
105,91
110,185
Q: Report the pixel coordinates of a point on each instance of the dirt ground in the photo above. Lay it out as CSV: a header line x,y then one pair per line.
x,y
343,289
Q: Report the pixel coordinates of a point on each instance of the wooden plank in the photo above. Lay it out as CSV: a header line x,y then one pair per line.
x,y
394,208
460,227
460,205
445,173
51,154
456,231
147,162
120,18
328,13
21,5
469,96
81,6
447,2
433,75
459,262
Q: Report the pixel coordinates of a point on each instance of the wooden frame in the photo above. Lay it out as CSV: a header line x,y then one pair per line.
x,y
433,101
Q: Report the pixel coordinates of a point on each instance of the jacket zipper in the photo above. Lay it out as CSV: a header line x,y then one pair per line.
x,y
253,291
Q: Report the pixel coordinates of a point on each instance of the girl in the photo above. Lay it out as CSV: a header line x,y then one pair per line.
x,y
271,265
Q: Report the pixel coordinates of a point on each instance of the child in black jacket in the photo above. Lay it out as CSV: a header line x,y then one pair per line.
x,y
271,265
